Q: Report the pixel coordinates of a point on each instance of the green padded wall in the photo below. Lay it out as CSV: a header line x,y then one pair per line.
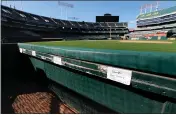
x,y
80,103
79,72
163,38
154,38
157,62
120,98
163,85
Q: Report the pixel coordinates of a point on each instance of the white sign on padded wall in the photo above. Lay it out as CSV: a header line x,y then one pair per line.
x,y
21,50
33,53
57,60
119,75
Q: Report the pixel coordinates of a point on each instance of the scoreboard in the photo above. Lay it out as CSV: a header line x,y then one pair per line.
x,y
107,18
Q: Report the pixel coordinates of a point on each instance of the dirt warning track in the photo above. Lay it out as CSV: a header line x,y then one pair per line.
x,y
155,42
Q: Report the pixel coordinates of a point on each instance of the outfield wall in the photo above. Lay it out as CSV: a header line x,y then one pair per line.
x,y
139,86
151,38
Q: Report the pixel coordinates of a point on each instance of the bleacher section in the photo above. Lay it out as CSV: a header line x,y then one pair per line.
x,y
158,13
157,20
150,35
30,22
149,24
157,27
161,18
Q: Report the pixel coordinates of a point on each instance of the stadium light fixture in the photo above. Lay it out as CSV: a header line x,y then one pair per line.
x,y
146,6
21,5
66,5
62,27
71,28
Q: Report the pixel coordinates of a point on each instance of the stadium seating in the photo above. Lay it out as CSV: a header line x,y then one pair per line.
x,y
111,24
103,24
14,18
154,22
157,13
159,20
157,17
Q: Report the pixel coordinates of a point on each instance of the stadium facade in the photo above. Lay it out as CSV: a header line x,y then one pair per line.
x,y
22,26
157,25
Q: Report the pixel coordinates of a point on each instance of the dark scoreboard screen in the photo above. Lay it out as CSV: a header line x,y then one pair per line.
x,y
107,18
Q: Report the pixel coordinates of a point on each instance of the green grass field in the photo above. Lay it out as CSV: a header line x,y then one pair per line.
x,y
113,45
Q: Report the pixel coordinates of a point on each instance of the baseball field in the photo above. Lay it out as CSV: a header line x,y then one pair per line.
x,y
159,46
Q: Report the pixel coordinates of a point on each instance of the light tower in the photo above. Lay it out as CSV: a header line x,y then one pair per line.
x,y
157,5
21,5
151,6
66,5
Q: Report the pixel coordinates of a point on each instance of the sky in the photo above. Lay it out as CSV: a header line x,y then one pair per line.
x,y
87,10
